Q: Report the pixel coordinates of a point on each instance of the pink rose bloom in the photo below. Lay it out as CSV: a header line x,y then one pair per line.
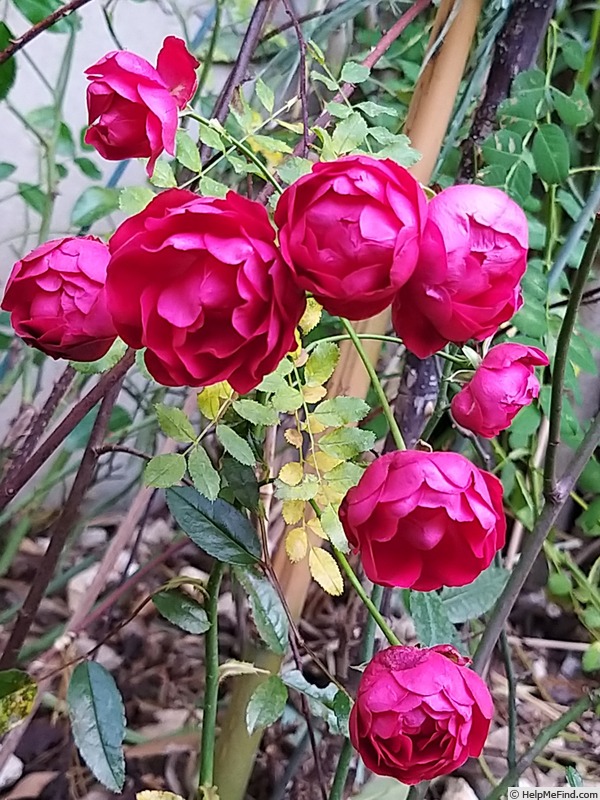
x,y
424,520
350,230
419,713
502,385
133,107
56,299
200,283
466,284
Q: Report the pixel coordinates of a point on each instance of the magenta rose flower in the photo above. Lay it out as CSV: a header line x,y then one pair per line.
x,y
466,283
56,299
502,385
350,230
200,283
419,713
424,520
133,107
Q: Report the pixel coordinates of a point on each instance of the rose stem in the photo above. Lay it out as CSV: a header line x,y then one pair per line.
x,y
42,419
368,602
556,492
241,147
60,530
211,687
366,654
13,482
562,353
39,27
376,383
549,733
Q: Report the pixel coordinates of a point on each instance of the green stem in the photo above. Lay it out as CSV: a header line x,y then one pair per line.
x,y
585,74
583,704
376,383
511,755
52,178
551,225
241,147
341,772
343,337
208,60
562,356
371,606
211,688
533,545
366,654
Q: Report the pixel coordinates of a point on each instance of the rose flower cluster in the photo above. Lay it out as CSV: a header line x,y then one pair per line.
x,y
212,290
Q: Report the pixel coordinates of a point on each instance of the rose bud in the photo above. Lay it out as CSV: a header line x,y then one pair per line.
x,y
133,107
350,230
419,713
57,301
502,385
466,283
200,283
424,520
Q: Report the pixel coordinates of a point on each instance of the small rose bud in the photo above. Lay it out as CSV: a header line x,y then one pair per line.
x,y
133,107
502,385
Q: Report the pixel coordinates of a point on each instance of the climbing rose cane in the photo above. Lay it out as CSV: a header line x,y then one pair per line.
x,y
200,283
424,520
502,385
133,107
419,713
55,295
350,231
466,283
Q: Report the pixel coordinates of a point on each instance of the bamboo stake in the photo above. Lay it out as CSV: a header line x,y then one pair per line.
x,y
429,114
428,118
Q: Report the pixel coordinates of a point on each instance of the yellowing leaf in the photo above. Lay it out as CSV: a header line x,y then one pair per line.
x,y
333,528
152,795
296,544
17,693
301,356
211,397
297,352
323,461
313,425
233,668
208,793
312,394
292,473
312,315
293,437
321,363
292,511
325,571
315,526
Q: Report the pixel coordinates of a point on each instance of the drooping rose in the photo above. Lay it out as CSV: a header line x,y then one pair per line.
x,y
419,713
56,299
133,107
424,520
466,283
502,385
200,283
350,231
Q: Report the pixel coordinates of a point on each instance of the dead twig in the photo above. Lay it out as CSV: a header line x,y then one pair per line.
x,y
40,27
303,76
60,531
